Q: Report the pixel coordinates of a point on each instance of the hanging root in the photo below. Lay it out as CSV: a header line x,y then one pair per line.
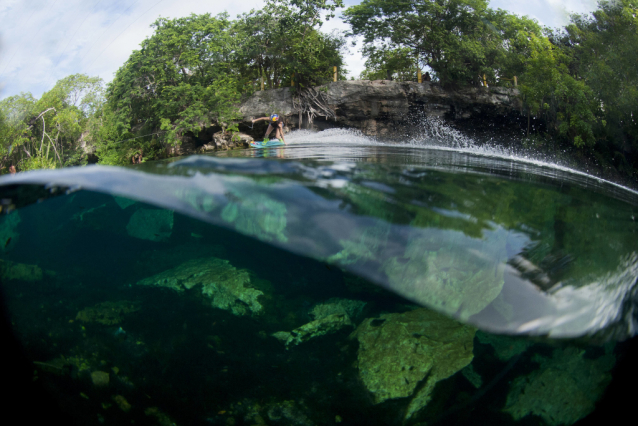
x,y
313,103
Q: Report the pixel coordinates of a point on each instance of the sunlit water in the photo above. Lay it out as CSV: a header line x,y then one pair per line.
x,y
314,284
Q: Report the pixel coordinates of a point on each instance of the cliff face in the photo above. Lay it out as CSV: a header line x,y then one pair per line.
x,y
386,108
381,108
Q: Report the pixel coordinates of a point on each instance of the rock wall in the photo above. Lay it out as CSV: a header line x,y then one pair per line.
x,y
386,108
380,108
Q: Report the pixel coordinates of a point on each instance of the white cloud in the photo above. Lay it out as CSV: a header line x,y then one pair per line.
x,y
45,40
551,13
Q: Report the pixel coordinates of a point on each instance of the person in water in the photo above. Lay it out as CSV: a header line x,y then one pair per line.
x,y
274,123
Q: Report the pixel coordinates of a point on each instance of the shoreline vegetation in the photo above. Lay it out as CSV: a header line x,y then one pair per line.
x,y
578,84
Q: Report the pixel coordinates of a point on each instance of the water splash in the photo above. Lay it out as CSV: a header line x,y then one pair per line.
x,y
435,134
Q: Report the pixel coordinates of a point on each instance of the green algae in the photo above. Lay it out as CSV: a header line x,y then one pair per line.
x,y
225,286
505,347
330,317
319,327
563,390
19,271
459,277
398,351
108,313
257,214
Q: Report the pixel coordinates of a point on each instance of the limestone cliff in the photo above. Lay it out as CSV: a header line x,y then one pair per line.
x,y
381,108
385,108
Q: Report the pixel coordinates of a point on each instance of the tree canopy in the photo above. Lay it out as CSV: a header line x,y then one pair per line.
x,y
459,40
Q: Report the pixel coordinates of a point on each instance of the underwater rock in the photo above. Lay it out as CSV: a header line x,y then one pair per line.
x,y
226,286
288,413
198,199
162,418
325,325
100,378
348,307
9,231
151,224
108,313
123,202
563,390
398,351
330,317
122,403
460,278
257,214
364,246
19,271
505,347
472,376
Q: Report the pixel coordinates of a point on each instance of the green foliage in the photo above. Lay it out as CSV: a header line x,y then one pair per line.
x,y
47,132
283,39
604,56
549,89
459,40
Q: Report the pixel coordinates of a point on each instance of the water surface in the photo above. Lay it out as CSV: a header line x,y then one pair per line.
x,y
334,280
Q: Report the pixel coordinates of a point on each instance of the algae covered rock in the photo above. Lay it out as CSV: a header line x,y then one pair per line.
x,y
459,277
364,246
100,378
9,231
319,327
123,202
107,313
227,287
398,351
349,307
563,390
330,317
19,271
151,224
257,214
505,347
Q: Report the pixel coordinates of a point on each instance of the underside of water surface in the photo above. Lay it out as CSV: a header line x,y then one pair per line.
x,y
350,283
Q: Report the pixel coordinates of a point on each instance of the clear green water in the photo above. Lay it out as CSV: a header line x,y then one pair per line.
x,y
319,289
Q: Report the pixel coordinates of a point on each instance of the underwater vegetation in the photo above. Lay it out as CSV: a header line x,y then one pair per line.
x,y
321,296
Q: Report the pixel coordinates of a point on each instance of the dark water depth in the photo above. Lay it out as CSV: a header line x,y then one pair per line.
x,y
358,285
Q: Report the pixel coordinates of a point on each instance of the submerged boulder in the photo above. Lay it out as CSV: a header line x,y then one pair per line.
x,y
151,224
255,213
227,287
108,313
459,278
19,271
398,351
330,317
563,390
325,325
123,202
349,307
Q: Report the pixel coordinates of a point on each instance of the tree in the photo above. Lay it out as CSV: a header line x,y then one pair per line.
x,y
550,90
460,40
46,132
284,39
603,53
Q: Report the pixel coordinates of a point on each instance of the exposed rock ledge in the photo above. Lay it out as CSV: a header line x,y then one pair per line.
x,y
381,108
384,108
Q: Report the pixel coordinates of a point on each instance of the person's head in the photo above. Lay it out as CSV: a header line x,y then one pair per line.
x,y
274,118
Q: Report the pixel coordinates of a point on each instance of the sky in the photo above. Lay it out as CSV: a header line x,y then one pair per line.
x,y
42,41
